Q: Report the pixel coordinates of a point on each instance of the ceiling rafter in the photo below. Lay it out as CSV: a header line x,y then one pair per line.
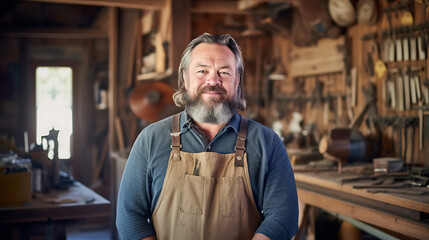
x,y
224,7
244,5
217,6
137,4
65,33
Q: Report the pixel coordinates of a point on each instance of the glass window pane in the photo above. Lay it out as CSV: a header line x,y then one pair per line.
x,y
54,105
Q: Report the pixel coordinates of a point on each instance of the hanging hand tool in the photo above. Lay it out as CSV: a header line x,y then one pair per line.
x,y
422,111
413,90
420,126
418,87
391,94
425,93
409,140
370,64
391,50
397,136
398,49
406,82
400,89
413,49
405,49
422,47
389,44
391,88
370,108
367,56
415,84
374,49
353,95
385,47
380,69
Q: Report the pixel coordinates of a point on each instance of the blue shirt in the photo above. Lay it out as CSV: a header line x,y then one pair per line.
x,y
270,172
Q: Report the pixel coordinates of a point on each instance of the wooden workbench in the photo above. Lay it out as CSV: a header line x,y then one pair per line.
x,y
48,214
399,213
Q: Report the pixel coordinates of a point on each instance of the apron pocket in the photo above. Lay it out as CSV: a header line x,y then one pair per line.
x,y
232,194
191,195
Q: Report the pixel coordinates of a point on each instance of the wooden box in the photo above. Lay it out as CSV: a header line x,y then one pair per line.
x,y
15,188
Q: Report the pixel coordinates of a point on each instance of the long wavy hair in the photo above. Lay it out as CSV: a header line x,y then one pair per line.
x,y
179,96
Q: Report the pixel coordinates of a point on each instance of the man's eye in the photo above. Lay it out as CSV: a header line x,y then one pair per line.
x,y
225,73
201,71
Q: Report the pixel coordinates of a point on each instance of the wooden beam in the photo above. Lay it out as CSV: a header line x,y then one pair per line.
x,y
331,183
220,6
327,56
252,4
72,33
112,101
181,34
365,214
102,20
113,75
223,7
138,4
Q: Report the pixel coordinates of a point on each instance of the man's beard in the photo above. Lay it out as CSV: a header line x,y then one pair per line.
x,y
218,111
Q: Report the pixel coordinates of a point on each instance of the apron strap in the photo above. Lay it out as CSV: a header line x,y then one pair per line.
x,y
240,145
175,134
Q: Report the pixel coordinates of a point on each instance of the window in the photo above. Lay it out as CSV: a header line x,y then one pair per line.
x,y
54,106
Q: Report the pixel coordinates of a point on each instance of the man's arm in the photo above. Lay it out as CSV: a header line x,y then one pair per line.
x,y
259,236
152,238
279,201
133,205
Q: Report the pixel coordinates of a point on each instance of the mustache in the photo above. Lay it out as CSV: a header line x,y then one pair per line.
x,y
216,89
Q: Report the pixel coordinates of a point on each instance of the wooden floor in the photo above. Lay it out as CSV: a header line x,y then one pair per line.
x,y
99,234
98,231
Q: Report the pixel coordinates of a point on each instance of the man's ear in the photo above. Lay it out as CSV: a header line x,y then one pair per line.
x,y
185,80
237,81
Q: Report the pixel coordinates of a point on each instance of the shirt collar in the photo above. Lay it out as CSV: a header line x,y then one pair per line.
x,y
186,122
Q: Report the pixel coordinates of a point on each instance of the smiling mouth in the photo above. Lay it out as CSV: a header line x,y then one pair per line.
x,y
215,90
212,93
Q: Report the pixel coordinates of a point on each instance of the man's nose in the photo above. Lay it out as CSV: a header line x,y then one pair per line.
x,y
213,79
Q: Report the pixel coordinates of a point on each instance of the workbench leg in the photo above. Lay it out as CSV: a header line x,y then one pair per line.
x,y
55,230
307,227
15,233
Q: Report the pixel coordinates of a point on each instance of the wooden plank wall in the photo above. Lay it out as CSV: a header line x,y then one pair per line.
x,y
329,65
392,144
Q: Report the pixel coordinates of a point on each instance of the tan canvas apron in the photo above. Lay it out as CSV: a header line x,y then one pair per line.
x,y
206,195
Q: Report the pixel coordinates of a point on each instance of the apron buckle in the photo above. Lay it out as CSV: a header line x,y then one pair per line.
x,y
175,146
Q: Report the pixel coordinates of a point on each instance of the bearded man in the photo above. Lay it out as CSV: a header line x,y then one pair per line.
x,y
207,172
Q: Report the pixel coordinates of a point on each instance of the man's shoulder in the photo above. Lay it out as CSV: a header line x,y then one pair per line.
x,y
255,125
159,126
258,131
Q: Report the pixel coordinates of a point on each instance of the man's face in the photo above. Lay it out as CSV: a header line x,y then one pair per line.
x,y
212,75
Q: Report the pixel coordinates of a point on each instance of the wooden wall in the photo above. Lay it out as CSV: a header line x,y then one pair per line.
x,y
88,58
320,85
318,82
392,134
